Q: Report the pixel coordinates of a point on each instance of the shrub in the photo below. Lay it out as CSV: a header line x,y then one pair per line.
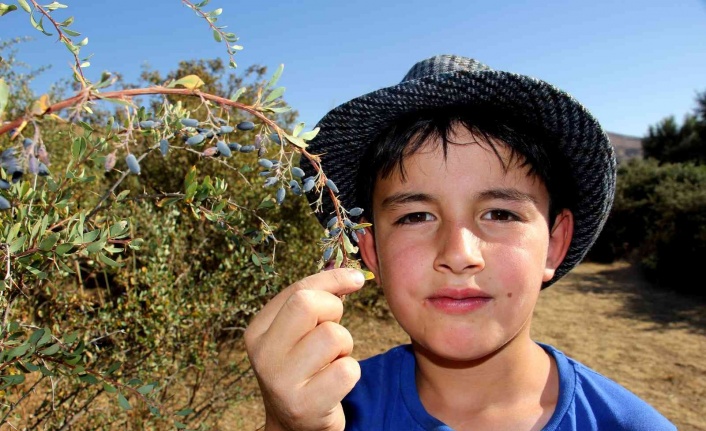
x,y
132,254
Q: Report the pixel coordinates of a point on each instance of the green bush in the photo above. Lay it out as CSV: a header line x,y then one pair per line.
x,y
129,274
659,220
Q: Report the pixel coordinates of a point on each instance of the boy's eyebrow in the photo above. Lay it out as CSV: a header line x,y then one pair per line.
x,y
508,194
405,198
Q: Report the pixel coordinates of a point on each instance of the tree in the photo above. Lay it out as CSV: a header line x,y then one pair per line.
x,y
136,240
670,143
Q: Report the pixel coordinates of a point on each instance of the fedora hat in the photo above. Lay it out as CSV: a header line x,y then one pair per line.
x,y
446,81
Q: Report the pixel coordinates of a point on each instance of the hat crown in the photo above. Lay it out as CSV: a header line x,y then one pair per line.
x,y
443,64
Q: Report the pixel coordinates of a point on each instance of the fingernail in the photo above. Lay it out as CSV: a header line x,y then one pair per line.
x,y
357,276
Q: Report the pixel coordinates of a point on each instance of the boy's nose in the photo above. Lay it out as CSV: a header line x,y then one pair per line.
x,y
459,250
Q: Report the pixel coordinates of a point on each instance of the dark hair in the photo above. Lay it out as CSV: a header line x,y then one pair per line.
x,y
529,147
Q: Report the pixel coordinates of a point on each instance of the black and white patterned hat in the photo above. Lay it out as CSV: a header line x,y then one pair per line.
x,y
448,80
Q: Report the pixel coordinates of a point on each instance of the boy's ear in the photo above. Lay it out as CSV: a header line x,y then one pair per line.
x,y
368,252
559,241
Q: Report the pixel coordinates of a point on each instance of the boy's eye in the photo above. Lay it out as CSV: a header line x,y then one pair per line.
x,y
415,218
499,215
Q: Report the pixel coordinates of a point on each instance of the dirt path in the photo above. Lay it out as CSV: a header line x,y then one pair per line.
x,y
653,343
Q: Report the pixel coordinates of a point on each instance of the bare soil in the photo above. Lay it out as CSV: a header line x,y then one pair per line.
x,y
652,342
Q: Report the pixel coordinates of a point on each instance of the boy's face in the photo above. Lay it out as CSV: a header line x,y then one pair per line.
x,y
462,246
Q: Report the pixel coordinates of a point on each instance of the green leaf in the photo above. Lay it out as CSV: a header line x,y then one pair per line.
x,y
217,36
38,25
70,338
95,247
24,5
14,379
88,378
122,401
4,88
184,412
45,338
311,134
71,33
119,228
146,389
112,368
274,94
350,248
109,388
18,351
62,249
31,367
67,22
36,336
108,261
17,244
297,129
90,236
255,259
5,9
179,425
275,76
73,359
299,142
122,195
55,5
237,94
191,82
48,242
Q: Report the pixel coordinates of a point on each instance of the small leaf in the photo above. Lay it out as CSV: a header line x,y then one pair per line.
x,y
275,76
297,129
5,9
108,261
36,336
109,388
146,389
51,350
311,134
88,378
123,402
48,242
191,82
217,36
41,105
4,94
237,94
112,368
24,5
274,94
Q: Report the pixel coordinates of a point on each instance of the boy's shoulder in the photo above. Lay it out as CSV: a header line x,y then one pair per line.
x,y
588,400
588,397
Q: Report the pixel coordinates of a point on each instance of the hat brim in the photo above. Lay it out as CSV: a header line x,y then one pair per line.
x,y
347,130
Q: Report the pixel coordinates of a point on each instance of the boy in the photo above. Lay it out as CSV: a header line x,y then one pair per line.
x,y
483,187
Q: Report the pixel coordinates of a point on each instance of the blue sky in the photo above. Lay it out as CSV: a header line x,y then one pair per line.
x,y
631,62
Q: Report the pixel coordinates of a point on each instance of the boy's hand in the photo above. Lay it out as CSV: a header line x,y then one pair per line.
x,y
300,353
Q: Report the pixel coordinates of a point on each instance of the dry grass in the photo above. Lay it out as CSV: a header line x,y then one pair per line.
x,y
651,342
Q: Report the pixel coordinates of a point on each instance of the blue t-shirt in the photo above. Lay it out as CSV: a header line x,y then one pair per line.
x,y
386,398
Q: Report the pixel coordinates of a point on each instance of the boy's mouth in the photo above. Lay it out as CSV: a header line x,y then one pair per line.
x,y
458,301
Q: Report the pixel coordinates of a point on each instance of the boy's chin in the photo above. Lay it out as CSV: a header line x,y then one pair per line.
x,y
457,352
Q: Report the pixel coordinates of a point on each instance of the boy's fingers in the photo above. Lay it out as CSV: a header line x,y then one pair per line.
x,y
321,346
336,381
300,314
338,281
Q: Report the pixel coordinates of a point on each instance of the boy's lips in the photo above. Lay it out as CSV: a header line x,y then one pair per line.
x,y
458,300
